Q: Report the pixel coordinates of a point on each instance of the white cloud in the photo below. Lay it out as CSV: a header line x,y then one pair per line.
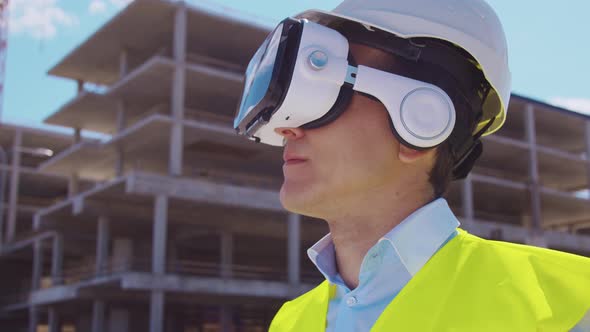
x,y
97,7
101,6
39,18
580,105
120,3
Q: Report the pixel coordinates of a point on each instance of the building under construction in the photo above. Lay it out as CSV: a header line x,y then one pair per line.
x,y
171,222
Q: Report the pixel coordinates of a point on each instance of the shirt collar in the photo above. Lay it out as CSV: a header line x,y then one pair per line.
x,y
414,240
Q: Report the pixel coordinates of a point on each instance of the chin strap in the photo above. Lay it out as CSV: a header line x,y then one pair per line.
x,y
466,156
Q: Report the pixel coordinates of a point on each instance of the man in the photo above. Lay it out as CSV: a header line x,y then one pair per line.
x,y
379,105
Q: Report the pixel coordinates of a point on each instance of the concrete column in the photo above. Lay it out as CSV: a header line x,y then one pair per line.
x,y
294,248
74,181
77,135
226,254
180,32
3,181
176,147
80,86
159,235
14,184
178,91
118,320
98,309
467,197
157,311
225,318
57,260
121,124
536,232
122,254
123,63
73,185
158,261
588,151
53,322
121,116
33,318
37,265
102,245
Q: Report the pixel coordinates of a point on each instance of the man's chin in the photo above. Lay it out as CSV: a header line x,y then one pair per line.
x,y
295,199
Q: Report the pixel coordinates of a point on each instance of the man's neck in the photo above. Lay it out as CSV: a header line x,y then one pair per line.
x,y
354,234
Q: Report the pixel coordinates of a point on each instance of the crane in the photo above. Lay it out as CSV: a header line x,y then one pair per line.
x,y
3,44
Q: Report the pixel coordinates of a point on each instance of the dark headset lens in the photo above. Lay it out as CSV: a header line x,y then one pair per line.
x,y
259,74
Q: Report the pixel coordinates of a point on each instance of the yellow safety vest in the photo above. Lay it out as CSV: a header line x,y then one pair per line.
x,y
470,284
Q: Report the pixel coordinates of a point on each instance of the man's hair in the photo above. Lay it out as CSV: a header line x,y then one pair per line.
x,y
468,102
441,174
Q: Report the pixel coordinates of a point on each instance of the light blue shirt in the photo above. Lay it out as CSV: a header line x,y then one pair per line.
x,y
388,266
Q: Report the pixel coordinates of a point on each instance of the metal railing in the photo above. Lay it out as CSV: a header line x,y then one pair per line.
x,y
88,271
181,267
113,267
237,271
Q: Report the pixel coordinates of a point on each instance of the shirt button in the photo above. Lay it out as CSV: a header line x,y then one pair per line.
x,y
351,301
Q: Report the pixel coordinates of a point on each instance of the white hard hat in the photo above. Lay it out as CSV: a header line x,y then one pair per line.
x,y
469,24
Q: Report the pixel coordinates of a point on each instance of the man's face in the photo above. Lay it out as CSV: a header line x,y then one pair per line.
x,y
347,159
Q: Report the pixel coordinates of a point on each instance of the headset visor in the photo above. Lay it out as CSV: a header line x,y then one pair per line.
x,y
267,77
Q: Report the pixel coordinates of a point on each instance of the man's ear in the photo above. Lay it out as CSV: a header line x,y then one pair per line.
x,y
409,155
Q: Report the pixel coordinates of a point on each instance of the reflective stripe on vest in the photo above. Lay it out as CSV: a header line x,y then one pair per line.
x,y
471,284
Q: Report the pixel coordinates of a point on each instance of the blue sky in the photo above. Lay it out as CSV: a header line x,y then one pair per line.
x,y
549,49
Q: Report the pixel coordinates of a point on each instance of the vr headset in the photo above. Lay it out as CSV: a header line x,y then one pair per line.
x,y
304,76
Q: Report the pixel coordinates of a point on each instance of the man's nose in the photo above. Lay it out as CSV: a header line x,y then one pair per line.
x,y
290,133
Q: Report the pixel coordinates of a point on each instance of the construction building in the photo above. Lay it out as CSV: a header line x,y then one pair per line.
x,y
172,222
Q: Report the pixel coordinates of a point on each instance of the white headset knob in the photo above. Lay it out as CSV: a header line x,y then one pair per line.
x,y
318,60
426,113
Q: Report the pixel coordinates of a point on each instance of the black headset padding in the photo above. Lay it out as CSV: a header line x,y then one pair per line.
x,y
339,107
